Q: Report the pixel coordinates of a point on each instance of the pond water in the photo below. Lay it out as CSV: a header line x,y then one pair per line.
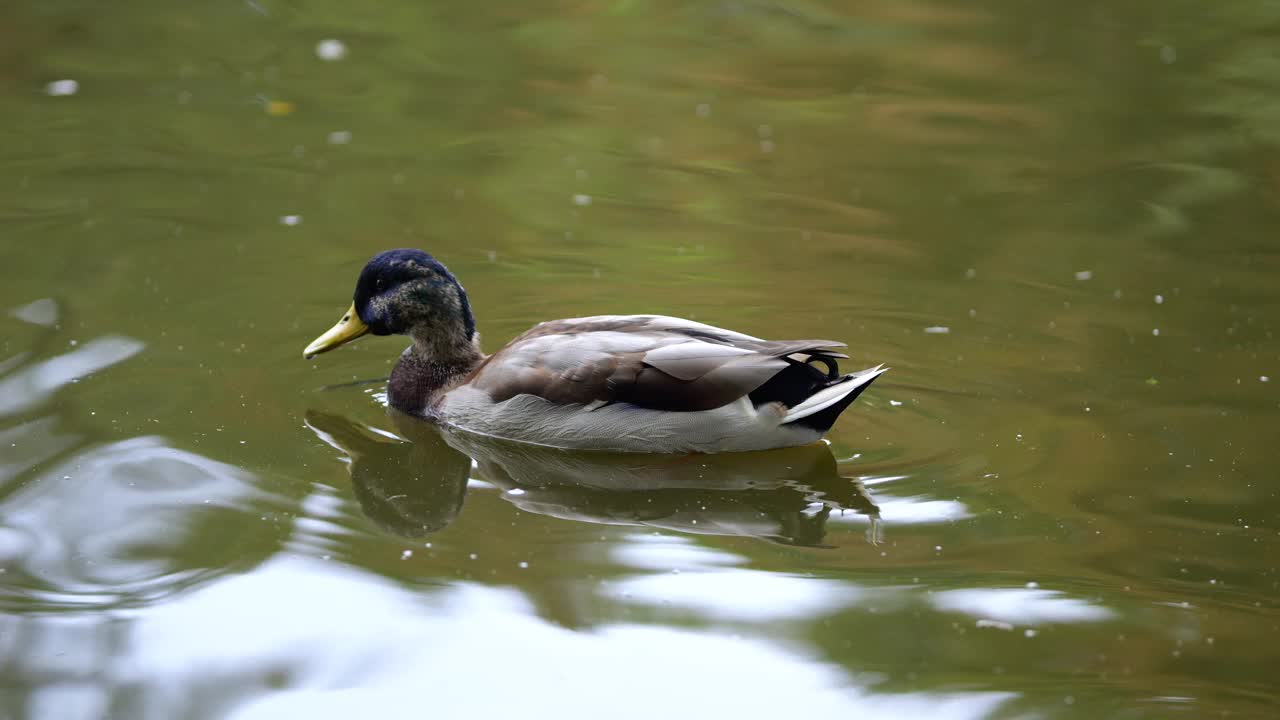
x,y
1056,222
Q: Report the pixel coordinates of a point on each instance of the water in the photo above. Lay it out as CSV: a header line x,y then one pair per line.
x,y
1055,222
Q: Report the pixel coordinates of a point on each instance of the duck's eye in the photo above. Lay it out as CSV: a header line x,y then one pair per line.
x,y
380,285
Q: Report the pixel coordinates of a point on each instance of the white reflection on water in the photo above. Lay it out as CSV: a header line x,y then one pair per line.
x,y
669,552
696,579
1022,606
346,644
910,510
915,510
31,385
42,312
738,595
110,520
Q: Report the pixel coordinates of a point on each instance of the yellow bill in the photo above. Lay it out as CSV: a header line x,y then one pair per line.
x,y
348,328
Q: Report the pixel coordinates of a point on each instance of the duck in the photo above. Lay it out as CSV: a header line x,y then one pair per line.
x,y
622,383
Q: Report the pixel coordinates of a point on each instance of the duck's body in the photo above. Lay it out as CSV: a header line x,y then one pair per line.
x,y
639,383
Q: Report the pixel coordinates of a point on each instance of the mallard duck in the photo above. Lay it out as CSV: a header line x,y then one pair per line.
x,y
632,383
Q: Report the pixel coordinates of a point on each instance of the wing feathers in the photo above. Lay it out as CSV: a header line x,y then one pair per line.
x,y
650,361
691,360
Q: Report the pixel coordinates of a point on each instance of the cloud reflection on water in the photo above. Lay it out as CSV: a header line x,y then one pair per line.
x,y
1021,606
468,651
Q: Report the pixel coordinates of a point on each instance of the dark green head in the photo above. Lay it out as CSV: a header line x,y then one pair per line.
x,y
404,292
401,290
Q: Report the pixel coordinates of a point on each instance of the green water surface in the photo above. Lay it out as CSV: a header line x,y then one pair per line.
x,y
1057,222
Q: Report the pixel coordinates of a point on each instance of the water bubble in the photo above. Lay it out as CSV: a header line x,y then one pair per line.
x,y
1084,274
339,137
937,330
290,220
406,554
1159,299
582,200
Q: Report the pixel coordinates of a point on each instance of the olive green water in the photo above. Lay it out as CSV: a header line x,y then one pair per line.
x,y
1056,222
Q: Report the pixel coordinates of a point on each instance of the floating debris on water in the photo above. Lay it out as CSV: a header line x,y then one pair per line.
x,y
937,330
290,220
61,88
406,554
1084,274
895,403
1159,299
995,624
703,110
331,50
278,108
339,137
1155,332
582,200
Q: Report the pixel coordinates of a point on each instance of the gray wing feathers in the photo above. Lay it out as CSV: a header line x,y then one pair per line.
x,y
692,359
650,361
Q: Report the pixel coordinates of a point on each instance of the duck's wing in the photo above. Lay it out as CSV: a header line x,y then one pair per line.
x,y
650,361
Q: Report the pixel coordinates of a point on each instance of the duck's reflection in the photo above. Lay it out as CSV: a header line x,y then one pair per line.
x,y
415,486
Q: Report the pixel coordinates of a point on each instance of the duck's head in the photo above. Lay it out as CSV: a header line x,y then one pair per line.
x,y
404,292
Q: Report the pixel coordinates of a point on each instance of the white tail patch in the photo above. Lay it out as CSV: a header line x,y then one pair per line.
x,y
827,397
